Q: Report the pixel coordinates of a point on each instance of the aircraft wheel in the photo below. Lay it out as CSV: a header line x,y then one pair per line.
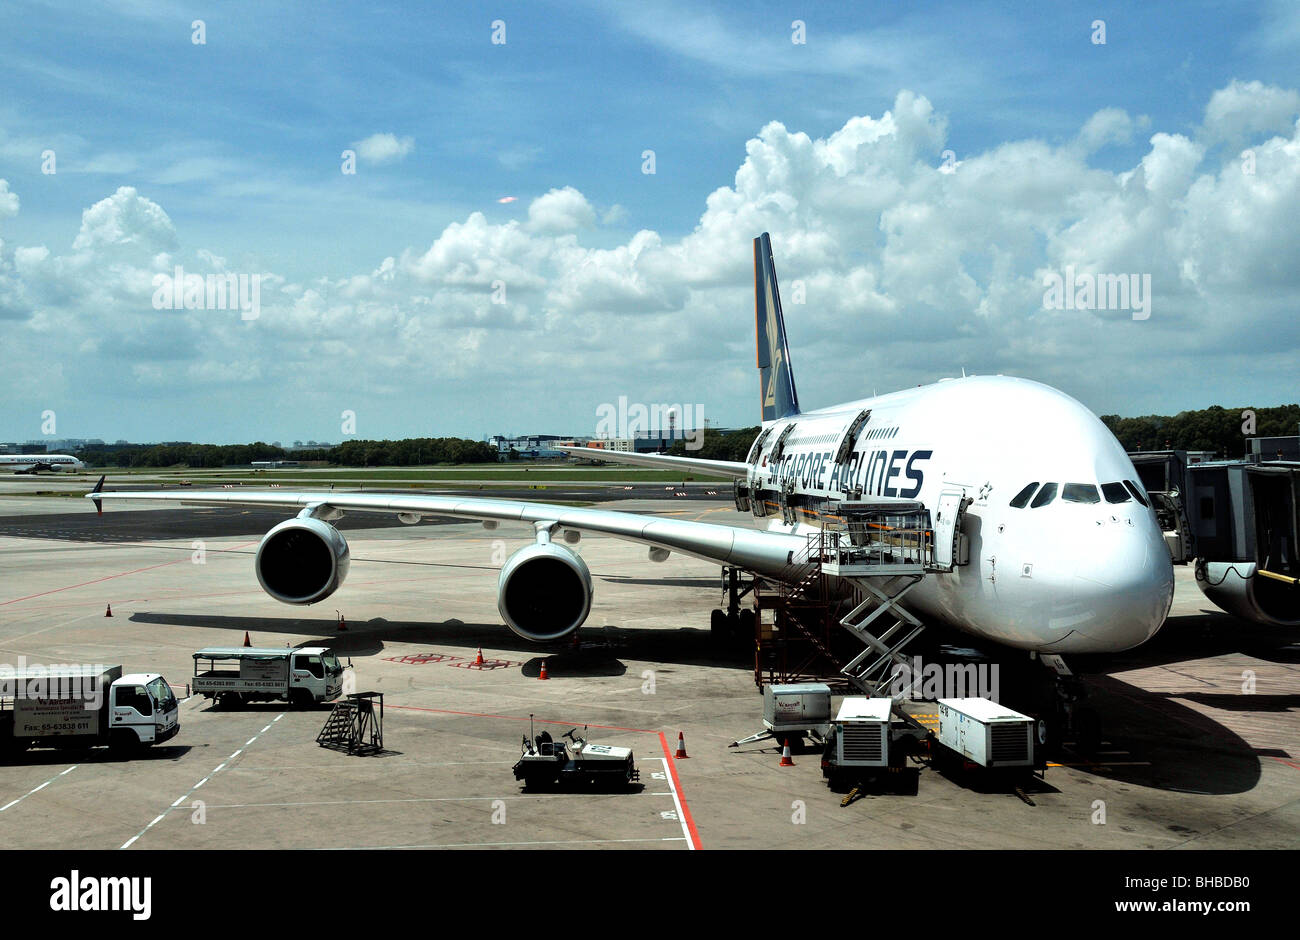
x,y
745,629
718,625
1088,732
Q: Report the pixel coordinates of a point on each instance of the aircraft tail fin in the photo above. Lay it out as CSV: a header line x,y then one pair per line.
x,y
776,378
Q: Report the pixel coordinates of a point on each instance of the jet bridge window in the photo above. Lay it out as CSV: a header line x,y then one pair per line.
x,y
1080,493
1115,493
1137,493
1045,496
1021,499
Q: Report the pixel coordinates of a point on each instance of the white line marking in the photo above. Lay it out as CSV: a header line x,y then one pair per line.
x,y
422,799
681,817
161,816
36,789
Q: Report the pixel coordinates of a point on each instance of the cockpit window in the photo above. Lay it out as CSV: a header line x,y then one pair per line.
x,y
1045,496
1115,492
1022,497
1080,493
1137,493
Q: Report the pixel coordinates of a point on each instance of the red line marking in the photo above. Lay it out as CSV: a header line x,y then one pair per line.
x,y
95,581
110,577
1287,762
677,785
663,741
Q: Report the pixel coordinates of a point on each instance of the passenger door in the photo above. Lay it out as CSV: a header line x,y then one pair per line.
x,y
947,529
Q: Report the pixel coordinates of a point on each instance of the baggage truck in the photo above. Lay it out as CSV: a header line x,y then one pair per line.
x,y
232,676
77,706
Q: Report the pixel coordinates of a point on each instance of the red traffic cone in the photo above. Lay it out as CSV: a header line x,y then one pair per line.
x,y
478,660
681,747
542,674
109,612
247,641
343,624
785,755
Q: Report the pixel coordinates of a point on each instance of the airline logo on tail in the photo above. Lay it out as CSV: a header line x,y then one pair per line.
x,y
776,380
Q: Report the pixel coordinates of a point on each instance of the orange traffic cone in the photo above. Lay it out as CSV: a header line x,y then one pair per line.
x,y
478,660
542,674
109,612
247,641
785,755
681,747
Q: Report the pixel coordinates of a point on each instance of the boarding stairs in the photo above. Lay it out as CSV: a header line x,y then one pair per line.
x,y
883,551
355,726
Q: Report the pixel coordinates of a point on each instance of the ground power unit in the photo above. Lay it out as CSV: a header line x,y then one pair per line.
x,y
986,733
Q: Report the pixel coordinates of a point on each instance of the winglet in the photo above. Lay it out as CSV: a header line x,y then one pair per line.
x,y
99,503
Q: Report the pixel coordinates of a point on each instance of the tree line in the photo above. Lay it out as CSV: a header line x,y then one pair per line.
x,y
1221,430
404,453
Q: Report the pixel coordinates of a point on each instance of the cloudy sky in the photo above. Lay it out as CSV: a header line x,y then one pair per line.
x,y
501,260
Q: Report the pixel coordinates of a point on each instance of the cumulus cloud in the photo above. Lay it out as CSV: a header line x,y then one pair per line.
x,y
1245,108
560,210
125,220
894,272
383,148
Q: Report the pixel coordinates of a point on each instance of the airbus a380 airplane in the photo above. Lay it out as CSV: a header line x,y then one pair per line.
x,y
34,463
1065,555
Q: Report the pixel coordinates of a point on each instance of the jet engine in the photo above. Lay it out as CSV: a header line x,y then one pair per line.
x,y
544,592
302,561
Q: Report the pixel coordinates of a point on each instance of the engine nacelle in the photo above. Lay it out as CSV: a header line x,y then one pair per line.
x,y
1236,587
302,561
544,592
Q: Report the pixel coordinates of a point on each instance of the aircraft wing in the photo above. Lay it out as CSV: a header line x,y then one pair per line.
x,y
754,549
723,468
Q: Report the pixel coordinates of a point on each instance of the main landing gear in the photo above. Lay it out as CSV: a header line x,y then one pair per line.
x,y
733,626
1060,703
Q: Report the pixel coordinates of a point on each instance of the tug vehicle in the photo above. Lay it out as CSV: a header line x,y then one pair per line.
x,y
546,763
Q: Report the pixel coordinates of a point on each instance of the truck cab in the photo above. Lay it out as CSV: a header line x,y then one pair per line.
x,y
142,704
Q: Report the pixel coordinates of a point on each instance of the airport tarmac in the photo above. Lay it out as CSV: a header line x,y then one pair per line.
x,y
1191,759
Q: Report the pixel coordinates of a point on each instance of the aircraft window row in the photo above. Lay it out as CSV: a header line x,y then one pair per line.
x,y
1076,493
881,432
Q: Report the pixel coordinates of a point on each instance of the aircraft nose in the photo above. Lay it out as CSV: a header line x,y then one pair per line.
x,y
1128,583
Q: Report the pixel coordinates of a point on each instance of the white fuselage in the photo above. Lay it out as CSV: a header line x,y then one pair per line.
x,y
53,462
1067,576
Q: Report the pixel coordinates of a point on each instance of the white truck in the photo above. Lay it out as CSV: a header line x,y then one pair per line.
x,y
74,706
232,676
